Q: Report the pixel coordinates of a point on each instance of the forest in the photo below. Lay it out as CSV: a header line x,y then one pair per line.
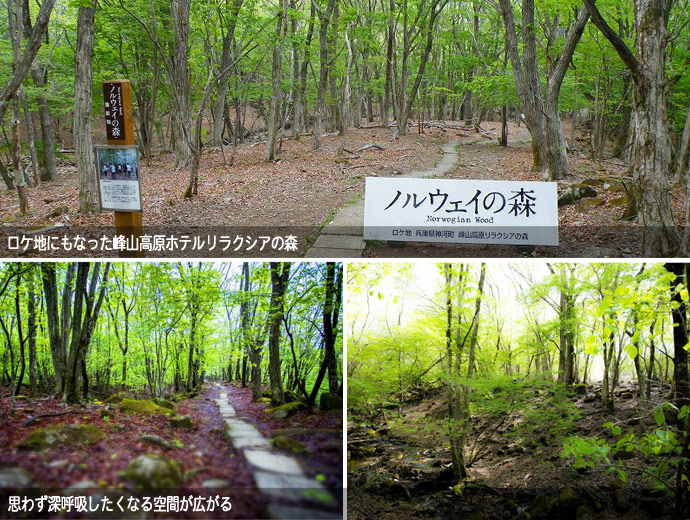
x,y
241,102
518,390
187,377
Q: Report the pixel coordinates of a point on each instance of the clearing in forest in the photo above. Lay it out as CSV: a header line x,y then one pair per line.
x,y
527,390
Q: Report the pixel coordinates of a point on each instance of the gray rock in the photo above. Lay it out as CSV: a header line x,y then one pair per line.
x,y
155,440
14,478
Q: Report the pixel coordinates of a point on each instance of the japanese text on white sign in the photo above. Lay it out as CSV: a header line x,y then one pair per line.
x,y
468,211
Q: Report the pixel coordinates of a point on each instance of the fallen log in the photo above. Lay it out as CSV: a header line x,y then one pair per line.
x,y
33,419
369,147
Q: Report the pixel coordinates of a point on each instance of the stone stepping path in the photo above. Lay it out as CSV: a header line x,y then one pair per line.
x,y
342,237
279,477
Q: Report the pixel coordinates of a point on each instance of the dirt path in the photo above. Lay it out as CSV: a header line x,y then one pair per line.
x,y
342,237
590,228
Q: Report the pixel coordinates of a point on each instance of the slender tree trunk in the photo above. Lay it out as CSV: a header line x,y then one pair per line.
x,y
324,18
88,188
180,113
681,379
279,280
31,131
224,73
274,114
31,323
541,116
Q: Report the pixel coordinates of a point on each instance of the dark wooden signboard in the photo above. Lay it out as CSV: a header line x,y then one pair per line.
x,y
119,125
116,97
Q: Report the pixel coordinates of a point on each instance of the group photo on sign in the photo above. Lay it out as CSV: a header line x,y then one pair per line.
x,y
283,120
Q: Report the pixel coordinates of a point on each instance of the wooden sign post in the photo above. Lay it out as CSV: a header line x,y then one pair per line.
x,y
119,125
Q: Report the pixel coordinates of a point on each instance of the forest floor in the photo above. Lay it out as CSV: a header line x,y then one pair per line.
x,y
592,227
400,467
297,193
211,465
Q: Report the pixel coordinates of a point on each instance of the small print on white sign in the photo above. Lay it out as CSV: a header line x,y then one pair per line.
x,y
462,211
118,178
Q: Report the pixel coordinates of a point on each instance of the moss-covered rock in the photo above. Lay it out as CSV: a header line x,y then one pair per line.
x,y
181,421
264,400
154,471
142,407
164,403
542,506
60,435
170,397
286,443
286,410
116,398
290,396
330,402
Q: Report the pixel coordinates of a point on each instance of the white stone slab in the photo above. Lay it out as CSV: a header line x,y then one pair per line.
x,y
270,461
249,441
239,427
293,487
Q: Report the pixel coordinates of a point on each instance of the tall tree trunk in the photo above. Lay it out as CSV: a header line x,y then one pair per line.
x,y
406,108
279,280
58,318
300,97
681,379
87,306
31,323
180,113
31,131
274,114
388,86
651,151
541,116
88,188
224,73
324,18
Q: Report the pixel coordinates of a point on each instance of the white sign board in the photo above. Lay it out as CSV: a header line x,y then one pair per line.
x,y
467,211
118,178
